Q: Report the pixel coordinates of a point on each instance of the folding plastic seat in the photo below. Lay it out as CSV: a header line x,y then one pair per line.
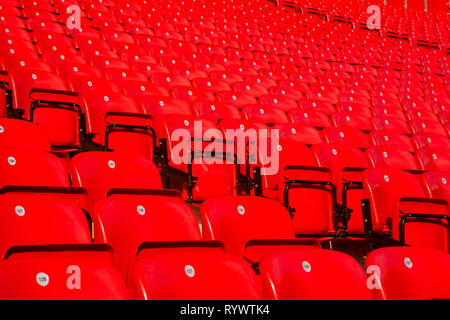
x,y
253,89
434,141
351,120
113,36
319,277
151,42
67,272
286,91
22,134
434,159
84,83
147,216
237,99
148,68
279,102
387,111
390,157
356,108
211,84
317,105
8,32
215,111
389,123
126,48
310,118
102,63
39,219
228,77
242,70
265,114
119,75
69,69
157,106
259,226
32,167
224,60
346,165
169,81
393,140
100,172
351,137
400,210
188,72
157,274
409,273
53,106
297,181
24,58
436,184
192,94
200,156
426,127
52,26
108,109
298,132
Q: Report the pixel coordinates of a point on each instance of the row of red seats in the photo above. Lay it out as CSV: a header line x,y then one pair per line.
x,y
46,212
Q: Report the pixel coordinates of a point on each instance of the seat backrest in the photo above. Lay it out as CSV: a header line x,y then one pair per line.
x,y
37,220
393,158
81,272
400,273
197,274
235,220
437,184
25,80
23,134
312,274
99,172
28,167
126,220
384,187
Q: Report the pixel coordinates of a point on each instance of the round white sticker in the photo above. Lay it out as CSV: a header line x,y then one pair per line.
x,y
111,164
42,279
141,210
20,211
186,123
444,181
385,154
306,266
386,178
106,98
190,271
241,209
2,129
408,262
11,161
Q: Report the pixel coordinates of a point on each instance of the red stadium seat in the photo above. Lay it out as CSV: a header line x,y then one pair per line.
x,y
99,172
61,272
399,206
408,273
195,270
249,227
312,274
145,215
